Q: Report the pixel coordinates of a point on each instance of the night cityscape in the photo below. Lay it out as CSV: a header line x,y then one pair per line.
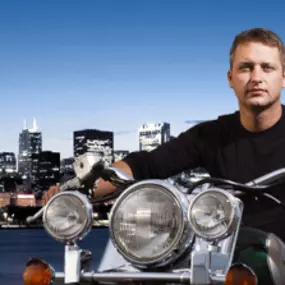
x,y
25,176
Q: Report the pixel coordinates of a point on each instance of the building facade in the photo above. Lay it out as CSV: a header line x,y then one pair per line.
x,y
94,141
66,165
5,199
153,135
24,200
7,162
30,142
45,169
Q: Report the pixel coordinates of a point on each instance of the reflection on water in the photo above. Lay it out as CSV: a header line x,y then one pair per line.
x,y
18,245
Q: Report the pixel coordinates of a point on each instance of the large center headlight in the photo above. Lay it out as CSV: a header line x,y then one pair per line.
x,y
68,216
214,214
148,223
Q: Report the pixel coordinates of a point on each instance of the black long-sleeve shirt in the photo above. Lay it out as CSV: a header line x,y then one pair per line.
x,y
226,150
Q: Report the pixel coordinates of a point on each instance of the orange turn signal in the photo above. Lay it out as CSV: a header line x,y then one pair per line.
x,y
240,274
38,272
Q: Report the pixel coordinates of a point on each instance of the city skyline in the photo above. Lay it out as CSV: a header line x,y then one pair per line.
x,y
115,65
36,129
36,169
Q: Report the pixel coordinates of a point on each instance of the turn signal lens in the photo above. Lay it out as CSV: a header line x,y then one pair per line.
x,y
240,274
38,272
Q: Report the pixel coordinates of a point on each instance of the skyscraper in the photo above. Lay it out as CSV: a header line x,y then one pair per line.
x,y
94,141
152,135
30,142
66,165
45,169
7,162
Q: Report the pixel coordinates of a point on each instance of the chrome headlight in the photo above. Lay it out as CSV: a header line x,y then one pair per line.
x,y
148,223
68,216
214,214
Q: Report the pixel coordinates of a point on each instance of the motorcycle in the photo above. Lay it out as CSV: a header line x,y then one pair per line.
x,y
161,232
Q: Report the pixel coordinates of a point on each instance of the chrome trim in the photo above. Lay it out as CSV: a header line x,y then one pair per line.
x,y
128,277
200,267
72,264
275,258
268,178
88,211
119,175
228,245
185,235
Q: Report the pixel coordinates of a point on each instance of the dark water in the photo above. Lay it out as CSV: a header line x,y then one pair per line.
x,y
18,245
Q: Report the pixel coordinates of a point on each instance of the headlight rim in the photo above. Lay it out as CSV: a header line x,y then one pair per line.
x,y
234,217
185,237
86,228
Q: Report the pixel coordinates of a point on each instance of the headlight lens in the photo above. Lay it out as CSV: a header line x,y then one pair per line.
x,y
68,216
213,213
148,222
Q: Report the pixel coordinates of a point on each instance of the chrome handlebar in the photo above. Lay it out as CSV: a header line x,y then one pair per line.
x,y
128,277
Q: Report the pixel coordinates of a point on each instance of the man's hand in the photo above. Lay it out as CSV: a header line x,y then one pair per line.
x,y
50,193
103,188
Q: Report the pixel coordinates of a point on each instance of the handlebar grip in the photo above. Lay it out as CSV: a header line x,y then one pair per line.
x,y
30,219
70,184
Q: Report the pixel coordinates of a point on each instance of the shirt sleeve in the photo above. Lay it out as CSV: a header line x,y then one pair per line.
x,y
180,154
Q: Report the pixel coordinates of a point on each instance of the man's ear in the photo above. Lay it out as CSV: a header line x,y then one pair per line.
x,y
230,78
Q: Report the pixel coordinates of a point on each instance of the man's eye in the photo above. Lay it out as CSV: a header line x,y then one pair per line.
x,y
268,67
244,67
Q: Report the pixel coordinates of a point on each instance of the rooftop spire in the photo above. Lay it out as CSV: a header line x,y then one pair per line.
x,y
35,127
25,124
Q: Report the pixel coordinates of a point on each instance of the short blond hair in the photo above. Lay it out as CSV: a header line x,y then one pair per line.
x,y
259,35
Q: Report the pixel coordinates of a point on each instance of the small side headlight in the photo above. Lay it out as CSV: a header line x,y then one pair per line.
x,y
214,214
68,216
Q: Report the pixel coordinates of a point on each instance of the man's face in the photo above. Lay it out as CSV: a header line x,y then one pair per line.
x,y
257,76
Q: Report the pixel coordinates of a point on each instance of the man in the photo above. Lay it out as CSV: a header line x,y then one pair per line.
x,y
240,146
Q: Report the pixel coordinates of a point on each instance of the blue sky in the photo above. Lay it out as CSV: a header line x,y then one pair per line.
x,y
114,65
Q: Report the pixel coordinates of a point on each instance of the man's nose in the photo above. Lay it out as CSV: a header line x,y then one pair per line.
x,y
257,74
